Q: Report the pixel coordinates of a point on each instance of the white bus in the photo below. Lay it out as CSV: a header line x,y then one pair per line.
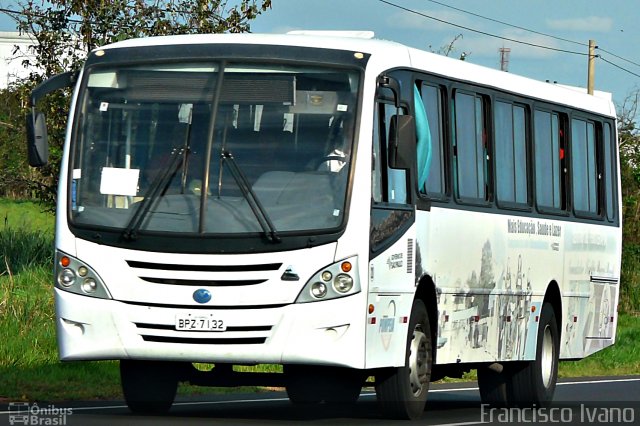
x,y
345,207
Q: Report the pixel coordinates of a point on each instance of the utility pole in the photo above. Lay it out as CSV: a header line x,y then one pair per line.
x,y
504,58
591,67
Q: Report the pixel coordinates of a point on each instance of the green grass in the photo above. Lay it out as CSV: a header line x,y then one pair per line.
x,y
26,237
29,366
23,214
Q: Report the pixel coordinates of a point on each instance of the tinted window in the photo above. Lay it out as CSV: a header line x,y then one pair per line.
x,y
388,185
511,153
432,101
584,166
470,147
610,181
548,157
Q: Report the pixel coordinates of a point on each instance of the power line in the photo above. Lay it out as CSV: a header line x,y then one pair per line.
x,y
514,40
481,32
619,57
618,66
508,24
530,30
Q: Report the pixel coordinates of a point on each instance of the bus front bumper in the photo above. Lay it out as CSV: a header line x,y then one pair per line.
x,y
323,333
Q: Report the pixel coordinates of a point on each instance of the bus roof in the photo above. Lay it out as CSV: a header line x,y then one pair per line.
x,y
389,55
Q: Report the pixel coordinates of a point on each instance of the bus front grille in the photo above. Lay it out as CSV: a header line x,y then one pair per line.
x,y
205,340
212,283
233,335
205,275
204,268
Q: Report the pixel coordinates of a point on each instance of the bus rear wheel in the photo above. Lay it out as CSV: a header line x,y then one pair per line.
x,y
534,382
492,382
526,383
402,391
149,387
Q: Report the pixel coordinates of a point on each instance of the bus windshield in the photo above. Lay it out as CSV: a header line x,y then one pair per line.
x,y
216,147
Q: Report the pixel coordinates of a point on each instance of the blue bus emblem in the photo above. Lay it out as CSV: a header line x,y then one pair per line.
x,y
201,295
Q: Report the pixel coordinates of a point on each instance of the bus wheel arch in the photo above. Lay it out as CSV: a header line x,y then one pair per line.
x,y
426,291
554,298
402,391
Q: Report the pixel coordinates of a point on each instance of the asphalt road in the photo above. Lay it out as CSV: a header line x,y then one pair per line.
x,y
608,400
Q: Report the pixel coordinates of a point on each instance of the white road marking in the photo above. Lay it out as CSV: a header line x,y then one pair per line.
x,y
244,401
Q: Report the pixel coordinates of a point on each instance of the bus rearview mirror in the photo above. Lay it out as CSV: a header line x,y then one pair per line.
x,y
402,141
37,143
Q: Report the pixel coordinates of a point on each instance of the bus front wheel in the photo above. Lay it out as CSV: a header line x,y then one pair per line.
x,y
402,391
149,387
313,384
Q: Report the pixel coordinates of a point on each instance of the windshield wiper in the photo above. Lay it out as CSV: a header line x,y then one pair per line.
x,y
158,187
255,204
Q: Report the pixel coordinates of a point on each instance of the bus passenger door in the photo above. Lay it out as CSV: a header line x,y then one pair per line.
x,y
391,246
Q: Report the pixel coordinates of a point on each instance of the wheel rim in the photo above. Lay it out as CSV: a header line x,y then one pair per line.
x,y
418,362
547,357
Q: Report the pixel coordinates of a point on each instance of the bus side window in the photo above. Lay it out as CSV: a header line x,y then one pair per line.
x,y
584,167
423,145
549,160
470,148
431,169
610,182
510,153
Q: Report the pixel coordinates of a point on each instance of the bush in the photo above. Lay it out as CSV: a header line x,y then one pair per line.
x,y
630,280
22,249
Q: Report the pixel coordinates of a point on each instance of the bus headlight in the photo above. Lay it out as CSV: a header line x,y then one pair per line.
x,y
66,277
343,283
331,282
318,290
77,277
89,285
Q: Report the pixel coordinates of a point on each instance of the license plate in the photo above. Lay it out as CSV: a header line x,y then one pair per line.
x,y
190,322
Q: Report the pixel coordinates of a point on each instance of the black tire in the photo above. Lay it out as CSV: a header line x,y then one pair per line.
x,y
314,384
493,386
149,387
300,385
534,382
402,391
344,386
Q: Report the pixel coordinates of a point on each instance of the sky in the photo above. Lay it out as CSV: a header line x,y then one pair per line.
x,y
613,24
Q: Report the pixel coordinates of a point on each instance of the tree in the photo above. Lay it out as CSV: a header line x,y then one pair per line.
x,y
449,48
14,174
65,31
629,146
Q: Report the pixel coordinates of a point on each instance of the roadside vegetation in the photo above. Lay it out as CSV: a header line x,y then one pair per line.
x,y
29,366
64,31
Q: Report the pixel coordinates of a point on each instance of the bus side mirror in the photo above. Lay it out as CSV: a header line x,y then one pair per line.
x,y
37,144
402,141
